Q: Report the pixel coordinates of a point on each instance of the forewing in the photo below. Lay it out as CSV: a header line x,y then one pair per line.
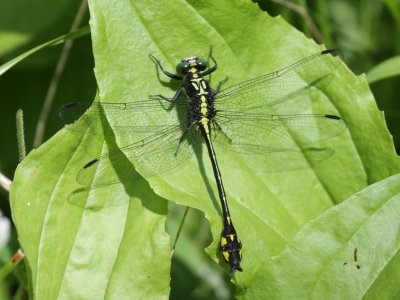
x,y
134,119
293,83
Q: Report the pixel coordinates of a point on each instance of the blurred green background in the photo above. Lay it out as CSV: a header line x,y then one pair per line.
x,y
24,25
367,31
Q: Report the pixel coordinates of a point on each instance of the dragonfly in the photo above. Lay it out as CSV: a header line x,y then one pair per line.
x,y
248,117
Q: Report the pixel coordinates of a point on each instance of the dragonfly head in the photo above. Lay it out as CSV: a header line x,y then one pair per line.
x,y
191,63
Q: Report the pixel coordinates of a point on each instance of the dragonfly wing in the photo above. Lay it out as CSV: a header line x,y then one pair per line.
x,y
260,133
151,156
293,83
133,119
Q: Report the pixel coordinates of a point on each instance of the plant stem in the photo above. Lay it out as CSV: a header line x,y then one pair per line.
x,y
5,183
307,19
180,229
20,135
51,92
11,264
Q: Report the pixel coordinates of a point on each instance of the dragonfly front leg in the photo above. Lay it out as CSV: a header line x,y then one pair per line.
x,y
169,74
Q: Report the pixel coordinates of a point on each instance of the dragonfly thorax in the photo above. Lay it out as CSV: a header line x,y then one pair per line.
x,y
200,95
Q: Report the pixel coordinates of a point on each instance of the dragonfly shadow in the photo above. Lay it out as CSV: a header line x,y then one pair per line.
x,y
196,143
292,160
135,186
198,151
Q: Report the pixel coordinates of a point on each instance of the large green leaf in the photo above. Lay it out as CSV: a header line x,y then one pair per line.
x,y
22,21
349,252
121,250
58,40
385,69
394,7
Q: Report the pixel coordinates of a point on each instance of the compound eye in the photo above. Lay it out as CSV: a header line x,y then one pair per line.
x,y
201,64
182,68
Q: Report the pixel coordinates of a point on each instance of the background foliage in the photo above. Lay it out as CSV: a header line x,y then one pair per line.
x,y
364,30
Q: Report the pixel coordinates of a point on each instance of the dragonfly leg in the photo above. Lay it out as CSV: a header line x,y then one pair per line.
x,y
169,74
177,94
220,84
183,137
213,68
220,129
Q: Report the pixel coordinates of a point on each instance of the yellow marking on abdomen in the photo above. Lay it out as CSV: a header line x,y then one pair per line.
x,y
204,121
223,241
226,255
203,106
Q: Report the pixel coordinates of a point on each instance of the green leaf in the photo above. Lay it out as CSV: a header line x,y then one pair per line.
x,y
75,251
121,250
349,252
386,69
21,22
394,7
58,40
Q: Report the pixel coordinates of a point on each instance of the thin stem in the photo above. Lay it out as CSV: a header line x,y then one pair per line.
x,y
20,135
51,92
303,13
11,264
20,293
5,183
178,233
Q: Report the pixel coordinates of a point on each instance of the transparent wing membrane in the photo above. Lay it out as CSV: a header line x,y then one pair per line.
x,y
126,119
258,133
267,92
153,155
253,117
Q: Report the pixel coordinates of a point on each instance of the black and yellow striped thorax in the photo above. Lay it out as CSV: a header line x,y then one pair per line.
x,y
200,94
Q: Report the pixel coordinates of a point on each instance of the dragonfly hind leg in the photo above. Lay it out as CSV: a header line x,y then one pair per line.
x,y
183,136
218,127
